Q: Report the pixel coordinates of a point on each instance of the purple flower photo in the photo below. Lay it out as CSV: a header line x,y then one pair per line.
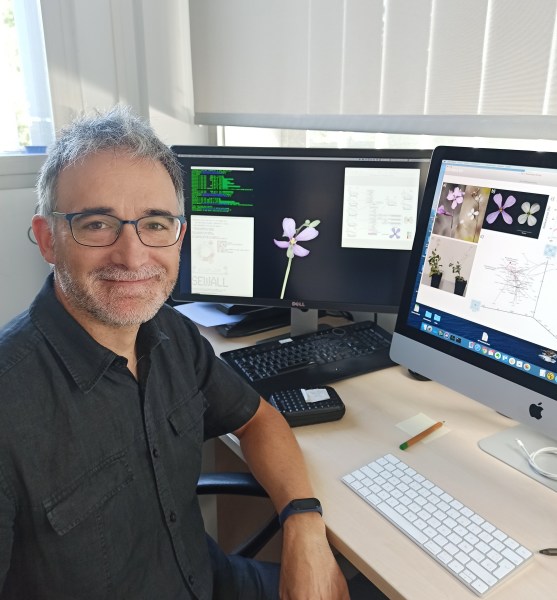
x,y
498,199
306,232
456,197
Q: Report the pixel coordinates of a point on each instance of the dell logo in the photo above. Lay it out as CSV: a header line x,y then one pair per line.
x,y
298,304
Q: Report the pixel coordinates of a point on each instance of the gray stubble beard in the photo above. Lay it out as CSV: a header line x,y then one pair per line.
x,y
84,299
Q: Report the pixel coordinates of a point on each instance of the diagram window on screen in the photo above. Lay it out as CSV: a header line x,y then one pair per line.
x,y
380,208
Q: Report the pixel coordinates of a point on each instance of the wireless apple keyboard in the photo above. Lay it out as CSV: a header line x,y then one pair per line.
x,y
472,549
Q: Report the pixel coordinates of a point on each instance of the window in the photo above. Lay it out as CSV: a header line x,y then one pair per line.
x,y
258,136
26,123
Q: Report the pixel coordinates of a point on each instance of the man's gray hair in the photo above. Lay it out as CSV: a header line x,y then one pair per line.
x,y
116,129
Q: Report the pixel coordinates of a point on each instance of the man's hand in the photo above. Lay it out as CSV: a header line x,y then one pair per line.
x,y
309,570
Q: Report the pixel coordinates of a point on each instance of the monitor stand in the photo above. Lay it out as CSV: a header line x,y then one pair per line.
x,y
263,319
300,320
303,321
502,445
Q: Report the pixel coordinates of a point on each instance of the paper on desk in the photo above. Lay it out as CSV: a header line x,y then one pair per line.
x,y
206,314
315,395
419,423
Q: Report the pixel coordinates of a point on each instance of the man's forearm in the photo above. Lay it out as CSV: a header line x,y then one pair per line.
x,y
308,568
274,457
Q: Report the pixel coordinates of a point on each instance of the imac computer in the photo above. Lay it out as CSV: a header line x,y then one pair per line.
x,y
479,309
299,229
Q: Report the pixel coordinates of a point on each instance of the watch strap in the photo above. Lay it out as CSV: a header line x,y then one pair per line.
x,y
298,506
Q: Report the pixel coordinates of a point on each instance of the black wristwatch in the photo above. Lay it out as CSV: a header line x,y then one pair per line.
x,y
300,506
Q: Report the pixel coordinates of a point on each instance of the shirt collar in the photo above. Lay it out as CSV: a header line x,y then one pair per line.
x,y
85,359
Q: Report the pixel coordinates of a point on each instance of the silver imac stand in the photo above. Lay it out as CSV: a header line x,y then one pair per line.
x,y
502,445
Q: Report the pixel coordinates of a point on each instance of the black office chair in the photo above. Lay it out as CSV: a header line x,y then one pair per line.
x,y
242,484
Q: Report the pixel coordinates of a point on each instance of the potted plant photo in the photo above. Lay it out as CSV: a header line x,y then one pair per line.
x,y
459,281
435,268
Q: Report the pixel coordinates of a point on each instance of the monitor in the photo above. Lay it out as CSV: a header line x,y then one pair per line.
x,y
299,228
478,310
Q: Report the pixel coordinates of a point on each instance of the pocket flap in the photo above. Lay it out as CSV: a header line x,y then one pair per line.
x,y
70,506
186,416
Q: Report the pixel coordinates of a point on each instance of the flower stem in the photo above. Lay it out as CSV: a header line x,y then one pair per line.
x,y
285,278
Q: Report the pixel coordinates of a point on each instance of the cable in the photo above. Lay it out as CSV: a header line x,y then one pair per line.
x,y
532,459
31,236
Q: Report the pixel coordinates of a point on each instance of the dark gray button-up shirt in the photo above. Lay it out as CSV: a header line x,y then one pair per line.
x,y
98,471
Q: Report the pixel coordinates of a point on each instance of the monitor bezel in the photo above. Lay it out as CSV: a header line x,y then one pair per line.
x,y
302,152
443,361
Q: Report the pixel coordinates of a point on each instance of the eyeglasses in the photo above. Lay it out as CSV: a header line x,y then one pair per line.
x,y
99,229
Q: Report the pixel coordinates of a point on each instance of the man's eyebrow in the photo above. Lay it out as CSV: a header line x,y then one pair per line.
x,y
157,212
103,210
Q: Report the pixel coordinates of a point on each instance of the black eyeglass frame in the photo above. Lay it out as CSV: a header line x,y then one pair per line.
x,y
70,216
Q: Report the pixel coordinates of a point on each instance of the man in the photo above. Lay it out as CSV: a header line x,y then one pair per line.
x,y
107,395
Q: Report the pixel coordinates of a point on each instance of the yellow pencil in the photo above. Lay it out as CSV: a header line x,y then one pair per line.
x,y
421,435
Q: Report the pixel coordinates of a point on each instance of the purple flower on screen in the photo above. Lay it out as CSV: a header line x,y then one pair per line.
x,y
306,232
498,199
296,235
455,196
442,211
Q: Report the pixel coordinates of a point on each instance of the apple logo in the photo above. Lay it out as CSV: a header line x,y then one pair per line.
x,y
536,410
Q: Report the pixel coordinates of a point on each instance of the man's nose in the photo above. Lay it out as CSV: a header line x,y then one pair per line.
x,y
128,249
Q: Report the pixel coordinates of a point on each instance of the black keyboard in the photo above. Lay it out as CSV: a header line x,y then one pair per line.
x,y
313,359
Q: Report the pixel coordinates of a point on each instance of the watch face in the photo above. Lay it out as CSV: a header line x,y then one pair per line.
x,y
305,503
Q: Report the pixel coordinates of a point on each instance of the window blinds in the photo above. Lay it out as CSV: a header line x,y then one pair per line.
x,y
441,67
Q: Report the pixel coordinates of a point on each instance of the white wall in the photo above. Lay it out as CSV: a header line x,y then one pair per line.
x,y
22,268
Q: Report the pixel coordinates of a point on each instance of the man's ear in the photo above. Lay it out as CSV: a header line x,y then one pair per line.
x,y
182,235
44,236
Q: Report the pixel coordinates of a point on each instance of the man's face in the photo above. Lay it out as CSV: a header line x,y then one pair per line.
x,y
126,283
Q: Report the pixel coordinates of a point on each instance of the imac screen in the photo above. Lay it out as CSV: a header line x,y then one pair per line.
x,y
478,312
298,227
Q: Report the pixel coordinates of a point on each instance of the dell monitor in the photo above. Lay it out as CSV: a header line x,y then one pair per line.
x,y
299,228
478,311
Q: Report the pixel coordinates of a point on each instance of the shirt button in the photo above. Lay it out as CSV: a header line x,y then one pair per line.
x,y
155,452
172,516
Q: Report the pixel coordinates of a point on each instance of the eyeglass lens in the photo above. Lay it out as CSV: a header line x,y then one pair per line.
x,y
103,230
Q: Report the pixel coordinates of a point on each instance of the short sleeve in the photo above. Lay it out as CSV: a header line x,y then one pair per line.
x,y
230,402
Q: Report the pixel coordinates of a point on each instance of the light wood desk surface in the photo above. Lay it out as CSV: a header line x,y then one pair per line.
x,y
375,403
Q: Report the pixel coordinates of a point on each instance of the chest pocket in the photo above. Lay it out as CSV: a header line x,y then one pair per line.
x,y
187,418
78,551
184,447
68,507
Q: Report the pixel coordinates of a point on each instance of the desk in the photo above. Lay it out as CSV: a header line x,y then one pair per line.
x,y
375,403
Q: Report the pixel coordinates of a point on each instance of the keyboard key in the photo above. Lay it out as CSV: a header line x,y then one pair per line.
x,y
404,524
